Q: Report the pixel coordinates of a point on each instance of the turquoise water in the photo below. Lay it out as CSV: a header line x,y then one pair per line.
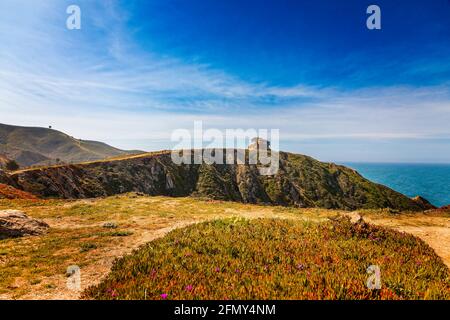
x,y
431,181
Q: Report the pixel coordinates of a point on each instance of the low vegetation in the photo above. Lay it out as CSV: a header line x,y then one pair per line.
x,y
8,192
92,233
277,259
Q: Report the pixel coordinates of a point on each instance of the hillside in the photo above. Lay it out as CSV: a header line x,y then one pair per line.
x,y
301,182
41,146
9,192
3,161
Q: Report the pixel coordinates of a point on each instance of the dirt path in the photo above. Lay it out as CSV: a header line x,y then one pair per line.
x,y
435,231
98,269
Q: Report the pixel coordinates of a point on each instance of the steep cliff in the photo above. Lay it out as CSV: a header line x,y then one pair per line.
x,y
301,181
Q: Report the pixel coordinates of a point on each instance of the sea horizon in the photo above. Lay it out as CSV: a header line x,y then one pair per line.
x,y
428,180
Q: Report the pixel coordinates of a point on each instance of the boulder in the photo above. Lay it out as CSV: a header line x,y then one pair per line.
x,y
14,223
110,225
355,217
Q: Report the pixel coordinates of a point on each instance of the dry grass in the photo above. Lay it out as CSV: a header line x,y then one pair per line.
x,y
111,159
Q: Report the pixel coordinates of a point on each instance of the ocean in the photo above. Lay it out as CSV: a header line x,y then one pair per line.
x,y
431,181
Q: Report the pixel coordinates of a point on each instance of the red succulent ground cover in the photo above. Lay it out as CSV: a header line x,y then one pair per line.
x,y
277,259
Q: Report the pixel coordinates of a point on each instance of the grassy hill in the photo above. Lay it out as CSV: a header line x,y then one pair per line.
x,y
41,146
300,182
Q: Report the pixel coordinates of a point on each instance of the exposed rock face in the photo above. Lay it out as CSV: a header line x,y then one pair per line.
x,y
259,144
14,223
444,209
300,181
3,177
423,202
3,161
355,217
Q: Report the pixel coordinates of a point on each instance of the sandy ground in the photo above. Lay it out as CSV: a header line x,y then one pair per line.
x,y
435,231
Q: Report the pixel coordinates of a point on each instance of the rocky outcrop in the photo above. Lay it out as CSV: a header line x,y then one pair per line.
x,y
14,223
301,181
444,209
423,203
3,161
4,178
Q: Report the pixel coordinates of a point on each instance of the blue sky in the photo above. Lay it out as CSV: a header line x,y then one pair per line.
x,y
137,70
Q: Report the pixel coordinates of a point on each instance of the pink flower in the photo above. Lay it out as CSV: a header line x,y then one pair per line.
x,y
217,269
189,288
164,296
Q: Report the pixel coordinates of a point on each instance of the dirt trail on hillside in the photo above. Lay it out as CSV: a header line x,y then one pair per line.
x,y
434,230
96,271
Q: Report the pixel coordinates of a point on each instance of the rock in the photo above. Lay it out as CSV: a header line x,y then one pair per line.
x,y
3,161
355,218
169,182
110,225
3,176
423,202
14,223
